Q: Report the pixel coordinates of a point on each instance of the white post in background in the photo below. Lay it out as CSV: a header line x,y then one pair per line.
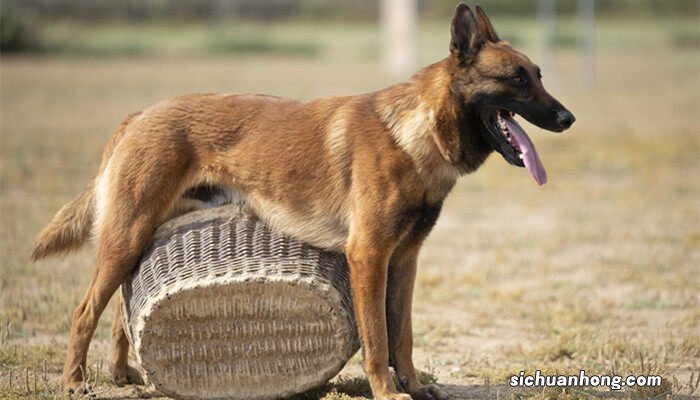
x,y
586,16
547,11
399,23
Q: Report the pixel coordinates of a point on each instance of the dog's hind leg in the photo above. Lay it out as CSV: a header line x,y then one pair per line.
x,y
137,193
122,372
118,251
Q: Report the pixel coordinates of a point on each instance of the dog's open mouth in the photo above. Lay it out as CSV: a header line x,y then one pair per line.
x,y
509,139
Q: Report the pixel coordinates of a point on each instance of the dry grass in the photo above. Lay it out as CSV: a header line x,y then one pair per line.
x,y
597,270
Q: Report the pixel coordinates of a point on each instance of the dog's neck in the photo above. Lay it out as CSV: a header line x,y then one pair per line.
x,y
433,123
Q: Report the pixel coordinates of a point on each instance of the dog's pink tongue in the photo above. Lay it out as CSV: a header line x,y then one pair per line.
x,y
530,156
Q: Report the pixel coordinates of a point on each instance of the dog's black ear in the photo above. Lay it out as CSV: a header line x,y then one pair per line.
x,y
466,36
485,26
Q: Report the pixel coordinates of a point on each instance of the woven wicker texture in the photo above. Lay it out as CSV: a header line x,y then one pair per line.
x,y
222,307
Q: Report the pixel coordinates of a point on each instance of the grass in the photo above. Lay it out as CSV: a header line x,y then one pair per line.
x,y
597,270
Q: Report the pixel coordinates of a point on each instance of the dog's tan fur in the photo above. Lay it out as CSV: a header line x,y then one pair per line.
x,y
364,174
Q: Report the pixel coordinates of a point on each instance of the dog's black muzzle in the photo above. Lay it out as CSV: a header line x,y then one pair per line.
x,y
565,119
554,118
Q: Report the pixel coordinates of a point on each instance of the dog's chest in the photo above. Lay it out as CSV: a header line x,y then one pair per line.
x,y
438,182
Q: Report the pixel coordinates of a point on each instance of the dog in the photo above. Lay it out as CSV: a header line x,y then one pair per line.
x,y
364,174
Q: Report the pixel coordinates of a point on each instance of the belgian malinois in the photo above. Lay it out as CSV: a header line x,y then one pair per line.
x,y
363,174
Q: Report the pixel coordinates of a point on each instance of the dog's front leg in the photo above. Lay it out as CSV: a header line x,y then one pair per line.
x,y
368,255
402,275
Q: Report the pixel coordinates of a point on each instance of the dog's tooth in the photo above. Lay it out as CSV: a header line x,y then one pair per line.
x,y
520,155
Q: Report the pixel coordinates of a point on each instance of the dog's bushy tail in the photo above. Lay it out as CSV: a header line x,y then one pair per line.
x,y
69,229
72,224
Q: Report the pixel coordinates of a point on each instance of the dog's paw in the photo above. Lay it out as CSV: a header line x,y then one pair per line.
x,y
429,392
80,390
127,376
394,396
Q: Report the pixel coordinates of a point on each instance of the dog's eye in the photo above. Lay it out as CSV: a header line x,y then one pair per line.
x,y
518,80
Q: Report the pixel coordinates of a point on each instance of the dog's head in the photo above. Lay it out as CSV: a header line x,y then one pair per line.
x,y
501,82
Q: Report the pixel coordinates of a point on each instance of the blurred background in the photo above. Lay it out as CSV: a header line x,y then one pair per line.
x,y
597,270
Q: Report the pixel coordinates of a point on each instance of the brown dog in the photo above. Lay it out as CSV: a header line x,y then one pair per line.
x,y
364,174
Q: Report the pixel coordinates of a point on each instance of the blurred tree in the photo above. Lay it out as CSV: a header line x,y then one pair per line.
x,y
16,30
586,15
547,14
399,20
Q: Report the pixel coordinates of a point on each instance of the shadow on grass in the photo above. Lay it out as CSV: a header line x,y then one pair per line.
x,y
358,389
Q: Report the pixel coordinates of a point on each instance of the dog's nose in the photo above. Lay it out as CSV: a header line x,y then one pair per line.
x,y
565,118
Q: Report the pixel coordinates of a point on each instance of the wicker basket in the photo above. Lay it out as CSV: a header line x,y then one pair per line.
x,y
222,307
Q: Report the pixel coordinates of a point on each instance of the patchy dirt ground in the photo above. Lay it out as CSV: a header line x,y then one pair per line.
x,y
597,270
